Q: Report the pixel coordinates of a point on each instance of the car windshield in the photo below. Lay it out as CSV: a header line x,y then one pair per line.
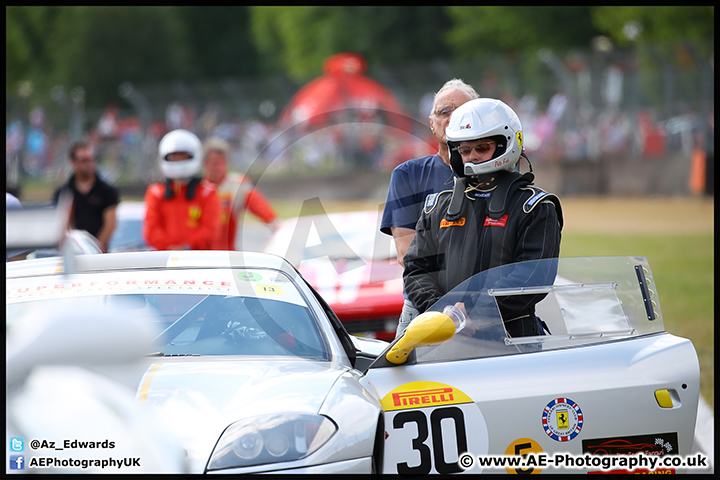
x,y
196,311
582,300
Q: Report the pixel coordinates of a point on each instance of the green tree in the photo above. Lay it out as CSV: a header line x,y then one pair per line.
x,y
98,48
296,40
478,30
219,41
660,24
27,56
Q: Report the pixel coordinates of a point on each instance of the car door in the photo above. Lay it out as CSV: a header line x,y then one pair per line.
x,y
607,379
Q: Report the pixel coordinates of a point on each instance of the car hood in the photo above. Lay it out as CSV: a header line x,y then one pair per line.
x,y
197,399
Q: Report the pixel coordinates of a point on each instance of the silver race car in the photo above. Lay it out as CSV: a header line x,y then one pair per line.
x,y
251,371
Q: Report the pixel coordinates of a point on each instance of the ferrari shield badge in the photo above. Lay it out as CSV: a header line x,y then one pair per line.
x,y
562,419
430,428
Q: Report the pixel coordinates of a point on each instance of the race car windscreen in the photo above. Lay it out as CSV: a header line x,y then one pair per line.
x,y
577,301
195,312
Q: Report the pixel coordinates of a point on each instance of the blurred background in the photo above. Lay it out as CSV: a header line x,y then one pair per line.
x,y
613,100
616,102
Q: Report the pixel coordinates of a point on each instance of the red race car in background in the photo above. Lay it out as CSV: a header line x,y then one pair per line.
x,y
350,263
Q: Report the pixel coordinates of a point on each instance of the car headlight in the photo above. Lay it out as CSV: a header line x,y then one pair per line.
x,y
270,439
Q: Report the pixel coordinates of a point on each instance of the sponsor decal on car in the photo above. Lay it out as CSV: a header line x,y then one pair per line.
x,y
650,444
523,446
426,394
250,276
268,289
562,419
116,285
199,281
429,427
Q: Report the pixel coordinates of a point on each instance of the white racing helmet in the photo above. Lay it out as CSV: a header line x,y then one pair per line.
x,y
485,118
180,141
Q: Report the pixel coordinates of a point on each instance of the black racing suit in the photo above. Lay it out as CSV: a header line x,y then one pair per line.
x,y
448,249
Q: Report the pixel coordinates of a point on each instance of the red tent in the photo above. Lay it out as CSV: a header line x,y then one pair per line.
x,y
343,93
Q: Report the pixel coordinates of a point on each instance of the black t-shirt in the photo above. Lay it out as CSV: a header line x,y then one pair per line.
x,y
88,208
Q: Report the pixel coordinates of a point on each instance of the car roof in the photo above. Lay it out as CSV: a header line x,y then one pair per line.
x,y
149,260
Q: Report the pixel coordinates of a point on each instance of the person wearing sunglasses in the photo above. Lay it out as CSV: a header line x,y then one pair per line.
x,y
413,180
494,215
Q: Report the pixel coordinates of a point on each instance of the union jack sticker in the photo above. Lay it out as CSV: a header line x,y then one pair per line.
x,y
562,419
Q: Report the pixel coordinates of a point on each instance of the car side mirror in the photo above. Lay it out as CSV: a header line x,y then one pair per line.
x,y
427,329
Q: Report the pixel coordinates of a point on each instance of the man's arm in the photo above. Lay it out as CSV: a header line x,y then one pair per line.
x,y
109,224
261,208
402,237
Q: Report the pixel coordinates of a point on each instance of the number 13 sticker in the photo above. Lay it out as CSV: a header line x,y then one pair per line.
x,y
429,427
268,289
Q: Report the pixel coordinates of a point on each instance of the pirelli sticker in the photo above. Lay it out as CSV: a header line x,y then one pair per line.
x,y
429,426
428,394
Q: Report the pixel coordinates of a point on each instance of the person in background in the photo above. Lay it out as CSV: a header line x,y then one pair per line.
x,y
492,216
94,200
236,193
413,180
183,212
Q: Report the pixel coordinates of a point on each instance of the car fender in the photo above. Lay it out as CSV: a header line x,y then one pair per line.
x,y
355,410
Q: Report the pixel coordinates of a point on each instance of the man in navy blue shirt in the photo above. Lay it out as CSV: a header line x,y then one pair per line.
x,y
415,179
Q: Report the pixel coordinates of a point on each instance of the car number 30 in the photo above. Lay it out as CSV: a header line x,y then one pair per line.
x,y
431,440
